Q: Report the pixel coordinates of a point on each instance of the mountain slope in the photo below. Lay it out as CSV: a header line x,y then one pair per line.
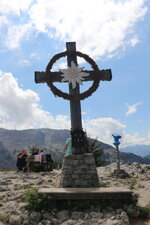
x,y
7,161
141,150
18,139
12,141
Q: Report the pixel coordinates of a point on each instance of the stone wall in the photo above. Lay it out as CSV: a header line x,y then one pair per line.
x,y
79,171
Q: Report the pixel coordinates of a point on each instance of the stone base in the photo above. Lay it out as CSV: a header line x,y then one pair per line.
x,y
120,173
79,171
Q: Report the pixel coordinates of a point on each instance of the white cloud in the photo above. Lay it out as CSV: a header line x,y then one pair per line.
x,y
98,27
103,128
24,62
16,33
15,29
35,55
132,108
21,109
15,6
135,139
134,41
3,21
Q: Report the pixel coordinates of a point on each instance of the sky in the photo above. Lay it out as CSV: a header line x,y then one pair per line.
x,y
114,33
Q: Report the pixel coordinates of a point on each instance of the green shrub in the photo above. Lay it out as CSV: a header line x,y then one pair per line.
x,y
93,146
134,199
34,150
57,164
4,218
133,183
36,201
144,211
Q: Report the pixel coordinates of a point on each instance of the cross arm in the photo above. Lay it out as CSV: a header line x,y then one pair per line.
x,y
104,75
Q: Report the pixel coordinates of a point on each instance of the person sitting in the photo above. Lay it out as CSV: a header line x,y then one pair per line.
x,y
41,152
22,164
40,156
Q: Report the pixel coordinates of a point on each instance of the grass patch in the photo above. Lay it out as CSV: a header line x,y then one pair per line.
x,y
4,218
6,170
133,183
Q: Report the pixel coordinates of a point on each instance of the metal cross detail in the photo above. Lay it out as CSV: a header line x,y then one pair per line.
x,y
75,106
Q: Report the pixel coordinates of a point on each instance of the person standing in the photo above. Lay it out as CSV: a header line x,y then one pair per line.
x,y
68,147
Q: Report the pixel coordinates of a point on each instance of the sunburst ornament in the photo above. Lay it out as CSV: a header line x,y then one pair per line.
x,y
73,74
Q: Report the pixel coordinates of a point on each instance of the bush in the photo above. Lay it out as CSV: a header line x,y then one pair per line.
x,y
34,150
144,211
134,199
57,164
133,183
93,146
36,201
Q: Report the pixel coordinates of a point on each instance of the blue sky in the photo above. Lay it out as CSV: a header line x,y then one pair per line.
x,y
114,33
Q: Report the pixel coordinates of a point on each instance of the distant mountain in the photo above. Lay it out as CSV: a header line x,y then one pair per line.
x,y
110,157
141,150
147,157
19,139
130,157
7,160
12,141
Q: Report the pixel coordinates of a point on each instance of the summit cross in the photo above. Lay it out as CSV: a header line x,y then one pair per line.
x,y
74,92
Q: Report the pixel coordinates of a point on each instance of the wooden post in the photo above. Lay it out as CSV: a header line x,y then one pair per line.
x,y
75,106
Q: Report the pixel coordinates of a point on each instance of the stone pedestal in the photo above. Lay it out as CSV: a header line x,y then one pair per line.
x,y
79,171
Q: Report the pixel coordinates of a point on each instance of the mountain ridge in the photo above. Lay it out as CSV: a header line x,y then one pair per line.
x,y
52,141
141,150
